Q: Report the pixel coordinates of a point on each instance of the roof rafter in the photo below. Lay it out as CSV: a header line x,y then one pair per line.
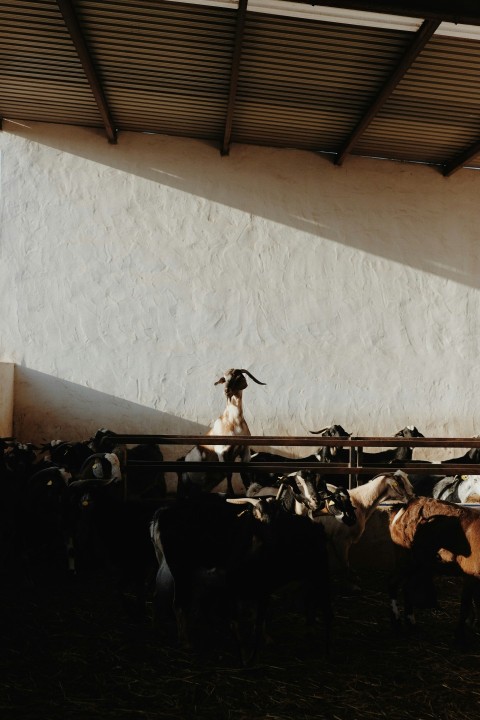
x,y
455,11
461,159
73,26
234,72
420,39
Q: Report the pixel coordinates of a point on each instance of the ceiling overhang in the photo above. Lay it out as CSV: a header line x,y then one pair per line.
x,y
396,80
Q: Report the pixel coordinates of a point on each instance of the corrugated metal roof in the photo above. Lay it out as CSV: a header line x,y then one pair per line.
x,y
305,84
435,110
41,77
166,67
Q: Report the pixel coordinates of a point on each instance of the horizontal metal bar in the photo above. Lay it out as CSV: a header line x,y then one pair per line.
x,y
300,441
322,468
392,503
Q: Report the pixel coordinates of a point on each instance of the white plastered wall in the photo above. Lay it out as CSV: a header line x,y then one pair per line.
x,y
133,275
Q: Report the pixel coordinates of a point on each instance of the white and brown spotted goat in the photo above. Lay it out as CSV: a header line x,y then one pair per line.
x,y
231,422
394,486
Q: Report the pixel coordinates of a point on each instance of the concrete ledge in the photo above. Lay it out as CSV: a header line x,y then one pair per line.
x,y
7,372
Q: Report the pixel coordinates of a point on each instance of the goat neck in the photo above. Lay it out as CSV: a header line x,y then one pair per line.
x,y
231,421
380,488
290,502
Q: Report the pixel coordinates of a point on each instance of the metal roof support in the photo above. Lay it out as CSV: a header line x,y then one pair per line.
x,y
455,11
73,26
461,159
421,38
235,69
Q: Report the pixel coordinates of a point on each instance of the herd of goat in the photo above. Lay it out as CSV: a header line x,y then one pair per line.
x,y
65,510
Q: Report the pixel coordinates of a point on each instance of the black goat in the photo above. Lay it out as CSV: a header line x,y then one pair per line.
x,y
331,454
394,456
327,453
111,535
254,550
69,455
323,454
471,457
441,485
48,550
16,463
145,481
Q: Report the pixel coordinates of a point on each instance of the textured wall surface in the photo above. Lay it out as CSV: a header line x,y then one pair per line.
x,y
133,275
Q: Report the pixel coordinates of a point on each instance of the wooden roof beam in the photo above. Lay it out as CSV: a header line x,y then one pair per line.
x,y
455,11
234,73
420,39
73,26
461,159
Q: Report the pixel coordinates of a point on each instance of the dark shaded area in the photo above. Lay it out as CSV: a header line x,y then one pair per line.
x,y
67,652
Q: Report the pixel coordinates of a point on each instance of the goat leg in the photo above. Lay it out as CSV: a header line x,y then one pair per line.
x,y
230,492
469,593
259,630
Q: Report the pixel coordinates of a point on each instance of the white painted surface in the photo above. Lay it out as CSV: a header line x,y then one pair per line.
x,y
132,275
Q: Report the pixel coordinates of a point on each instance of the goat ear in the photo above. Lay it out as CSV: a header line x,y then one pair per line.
x,y
220,382
289,479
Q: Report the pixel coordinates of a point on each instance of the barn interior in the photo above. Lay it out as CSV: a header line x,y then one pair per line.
x,y
285,186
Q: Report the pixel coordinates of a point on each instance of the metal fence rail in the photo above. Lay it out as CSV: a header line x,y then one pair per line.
x,y
353,467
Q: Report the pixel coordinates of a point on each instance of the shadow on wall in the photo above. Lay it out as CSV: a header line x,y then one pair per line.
x,y
49,408
407,213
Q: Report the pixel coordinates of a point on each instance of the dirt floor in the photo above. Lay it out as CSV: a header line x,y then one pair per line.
x,y
67,652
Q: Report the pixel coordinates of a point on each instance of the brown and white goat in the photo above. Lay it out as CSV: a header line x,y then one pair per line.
x,y
427,530
230,422
365,499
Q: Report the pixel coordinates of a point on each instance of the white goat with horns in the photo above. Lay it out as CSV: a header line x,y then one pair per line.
x,y
230,422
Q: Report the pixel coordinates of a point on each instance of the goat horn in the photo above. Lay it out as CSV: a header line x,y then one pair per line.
x,y
318,432
243,501
96,481
45,471
92,457
281,490
253,378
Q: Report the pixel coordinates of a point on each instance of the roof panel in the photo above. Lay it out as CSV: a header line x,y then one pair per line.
x,y
437,103
40,70
303,82
174,63
315,79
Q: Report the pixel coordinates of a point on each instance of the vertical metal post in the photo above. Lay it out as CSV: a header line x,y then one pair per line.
x,y
352,462
350,465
